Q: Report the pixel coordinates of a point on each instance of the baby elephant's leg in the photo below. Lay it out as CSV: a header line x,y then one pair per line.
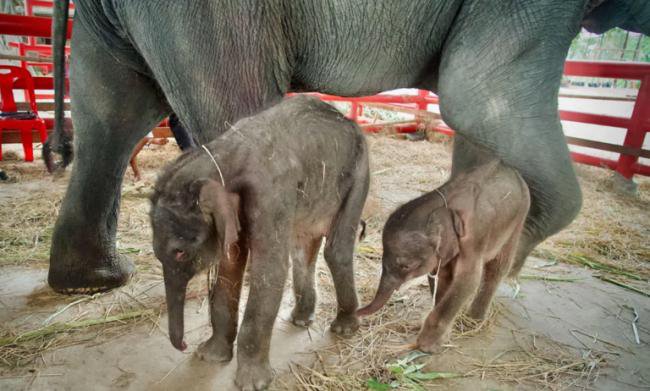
x,y
339,258
339,255
269,261
493,273
224,307
436,328
304,265
445,276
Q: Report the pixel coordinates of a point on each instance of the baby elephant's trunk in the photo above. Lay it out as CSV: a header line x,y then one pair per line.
x,y
387,285
175,287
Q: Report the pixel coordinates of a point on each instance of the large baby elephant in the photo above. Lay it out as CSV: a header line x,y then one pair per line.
x,y
275,184
466,232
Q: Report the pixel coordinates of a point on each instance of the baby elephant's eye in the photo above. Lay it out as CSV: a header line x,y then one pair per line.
x,y
191,239
403,264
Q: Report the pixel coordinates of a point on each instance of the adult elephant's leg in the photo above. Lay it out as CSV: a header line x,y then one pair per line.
x,y
499,91
113,107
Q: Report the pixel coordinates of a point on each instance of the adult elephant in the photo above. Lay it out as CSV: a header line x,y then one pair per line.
x,y
496,66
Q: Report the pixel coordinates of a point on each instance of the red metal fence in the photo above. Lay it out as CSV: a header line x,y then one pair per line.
x,y
635,127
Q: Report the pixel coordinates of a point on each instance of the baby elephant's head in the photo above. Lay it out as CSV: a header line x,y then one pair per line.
x,y
412,250
193,227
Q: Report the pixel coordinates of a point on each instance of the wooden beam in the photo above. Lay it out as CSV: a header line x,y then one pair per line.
x,y
13,136
608,147
382,124
41,106
599,97
14,57
406,110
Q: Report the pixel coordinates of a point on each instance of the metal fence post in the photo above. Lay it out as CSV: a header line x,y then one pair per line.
x,y
639,124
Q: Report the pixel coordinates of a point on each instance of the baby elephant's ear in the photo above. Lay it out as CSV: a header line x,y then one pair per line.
x,y
223,207
459,223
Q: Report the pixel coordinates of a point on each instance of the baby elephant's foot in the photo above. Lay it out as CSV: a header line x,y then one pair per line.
x,y
478,313
345,324
251,377
431,342
302,319
214,350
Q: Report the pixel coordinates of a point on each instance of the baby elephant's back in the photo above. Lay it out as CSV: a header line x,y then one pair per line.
x,y
314,138
318,131
507,191
317,154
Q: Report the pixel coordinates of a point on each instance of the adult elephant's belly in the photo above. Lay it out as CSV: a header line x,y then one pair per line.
x,y
368,76
351,49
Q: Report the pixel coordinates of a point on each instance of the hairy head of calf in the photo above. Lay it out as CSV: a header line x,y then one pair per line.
x,y
417,238
194,224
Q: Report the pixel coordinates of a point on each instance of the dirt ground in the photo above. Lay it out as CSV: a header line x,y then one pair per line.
x,y
568,327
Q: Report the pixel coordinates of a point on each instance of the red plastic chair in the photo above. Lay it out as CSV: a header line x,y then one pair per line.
x,y
10,117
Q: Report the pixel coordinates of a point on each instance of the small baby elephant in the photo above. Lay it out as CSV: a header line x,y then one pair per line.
x,y
271,187
466,232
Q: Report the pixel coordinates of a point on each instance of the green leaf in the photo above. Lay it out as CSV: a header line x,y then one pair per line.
x,y
396,369
434,375
374,384
413,368
413,355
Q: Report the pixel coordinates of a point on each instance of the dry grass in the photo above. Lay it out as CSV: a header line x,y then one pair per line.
x,y
21,171
540,362
21,348
26,228
75,320
85,319
612,230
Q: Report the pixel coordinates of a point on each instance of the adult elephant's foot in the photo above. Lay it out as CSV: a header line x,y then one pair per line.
x,y
90,276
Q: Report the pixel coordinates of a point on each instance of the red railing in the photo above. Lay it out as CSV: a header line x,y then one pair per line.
x,y
30,26
636,126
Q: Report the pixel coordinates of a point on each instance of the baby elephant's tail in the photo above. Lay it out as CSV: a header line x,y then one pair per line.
x,y
362,234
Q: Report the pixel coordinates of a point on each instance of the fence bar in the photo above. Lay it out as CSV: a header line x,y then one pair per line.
x,y
636,132
606,69
34,26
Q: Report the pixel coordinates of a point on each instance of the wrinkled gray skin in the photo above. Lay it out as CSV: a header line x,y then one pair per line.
x,y
293,174
213,62
467,232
